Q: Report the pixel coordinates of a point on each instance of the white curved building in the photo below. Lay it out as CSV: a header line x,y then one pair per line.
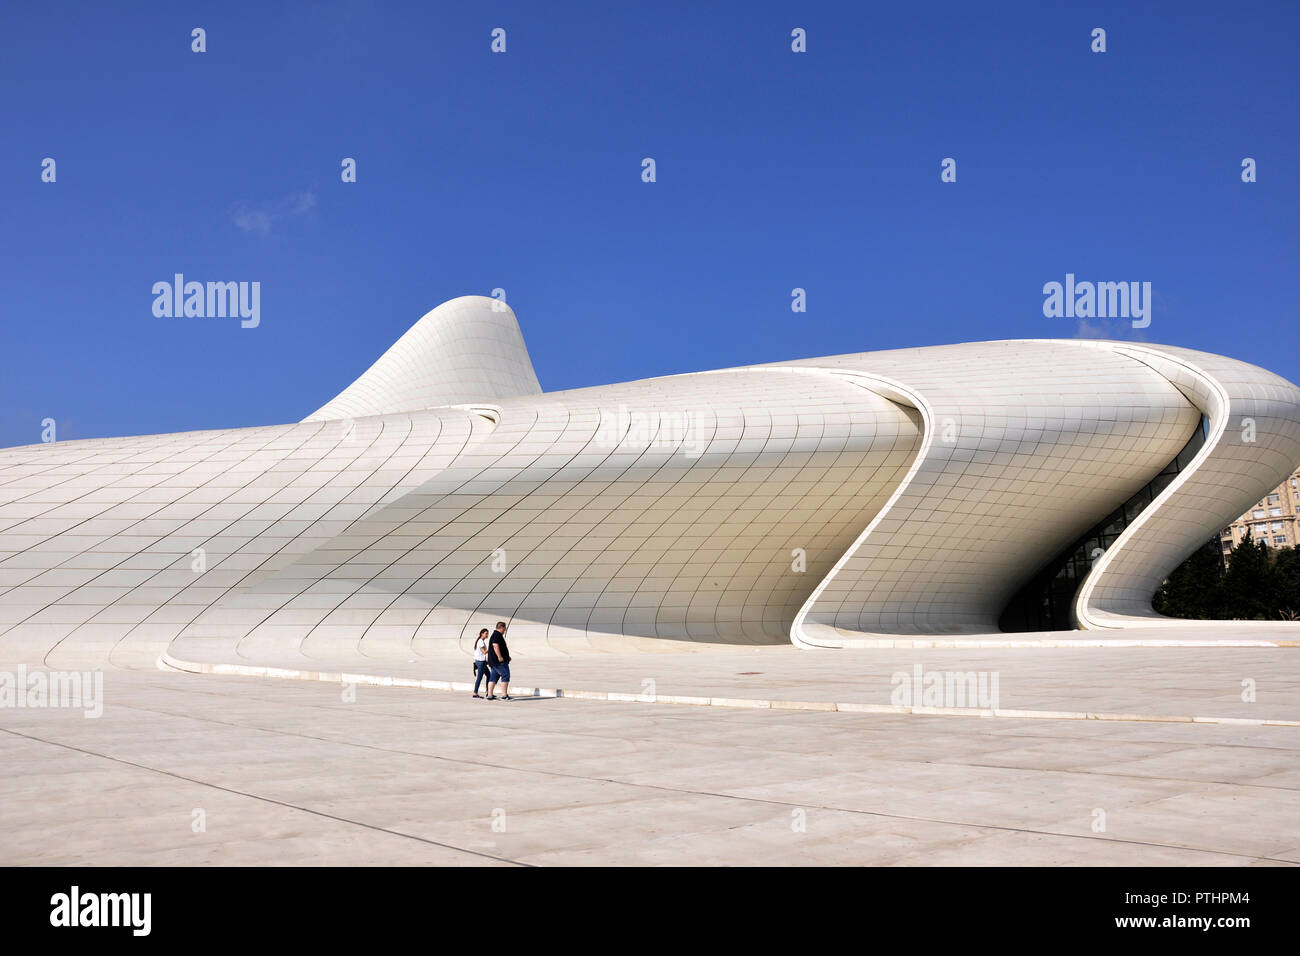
x,y
947,490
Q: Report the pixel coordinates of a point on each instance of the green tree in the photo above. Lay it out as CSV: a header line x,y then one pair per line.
x,y
1261,584
1248,589
1192,589
1286,570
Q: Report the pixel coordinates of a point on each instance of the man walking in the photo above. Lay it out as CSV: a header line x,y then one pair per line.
x,y
499,660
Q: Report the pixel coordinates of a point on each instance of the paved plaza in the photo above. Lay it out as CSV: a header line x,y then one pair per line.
x,y
189,768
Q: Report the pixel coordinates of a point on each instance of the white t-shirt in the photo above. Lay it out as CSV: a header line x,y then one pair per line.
x,y
481,649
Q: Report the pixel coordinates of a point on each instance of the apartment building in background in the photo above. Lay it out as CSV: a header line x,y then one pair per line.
x,y
1272,520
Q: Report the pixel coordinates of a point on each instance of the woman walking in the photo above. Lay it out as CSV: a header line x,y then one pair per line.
x,y
480,660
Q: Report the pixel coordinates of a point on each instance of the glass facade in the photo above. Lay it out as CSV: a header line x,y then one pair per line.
x,y
1045,603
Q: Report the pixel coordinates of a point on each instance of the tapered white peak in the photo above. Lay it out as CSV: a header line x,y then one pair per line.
x,y
468,349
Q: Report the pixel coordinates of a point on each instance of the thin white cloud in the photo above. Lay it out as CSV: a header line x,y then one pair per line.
x,y
261,219
253,220
302,202
1108,329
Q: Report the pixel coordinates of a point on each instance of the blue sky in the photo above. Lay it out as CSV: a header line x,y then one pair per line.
x,y
522,171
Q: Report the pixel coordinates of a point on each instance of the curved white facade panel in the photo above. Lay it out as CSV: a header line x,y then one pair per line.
x,y
824,501
670,508
115,545
1254,435
467,350
1027,446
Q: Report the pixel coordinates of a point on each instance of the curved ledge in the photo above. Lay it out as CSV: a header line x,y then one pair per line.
x,y
1223,480
817,635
